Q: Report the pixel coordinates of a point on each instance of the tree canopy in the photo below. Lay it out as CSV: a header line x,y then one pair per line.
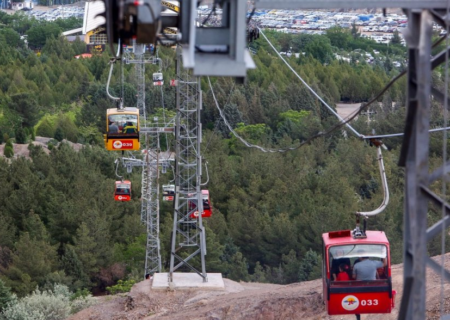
x,y
58,219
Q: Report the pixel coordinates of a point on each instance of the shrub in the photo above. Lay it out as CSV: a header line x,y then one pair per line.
x,y
20,311
82,302
80,293
121,286
53,304
45,128
8,151
45,305
67,127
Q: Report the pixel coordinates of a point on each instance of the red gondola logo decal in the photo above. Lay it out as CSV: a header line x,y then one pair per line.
x,y
350,303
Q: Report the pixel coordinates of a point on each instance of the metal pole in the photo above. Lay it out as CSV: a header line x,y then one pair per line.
x,y
416,204
177,171
158,242
419,222
198,184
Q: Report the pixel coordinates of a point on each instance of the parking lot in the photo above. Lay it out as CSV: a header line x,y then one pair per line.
x,y
51,14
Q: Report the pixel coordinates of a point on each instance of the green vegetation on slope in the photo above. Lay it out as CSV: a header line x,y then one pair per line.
x,y
58,220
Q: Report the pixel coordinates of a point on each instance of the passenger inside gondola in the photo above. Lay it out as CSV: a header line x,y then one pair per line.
x,y
366,269
343,273
129,128
122,125
369,261
338,259
113,128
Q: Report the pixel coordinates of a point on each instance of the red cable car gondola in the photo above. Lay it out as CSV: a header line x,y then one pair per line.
x,y
207,209
168,192
366,287
344,248
122,191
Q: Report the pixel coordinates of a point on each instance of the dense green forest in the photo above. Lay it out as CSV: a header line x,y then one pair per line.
x,y
60,224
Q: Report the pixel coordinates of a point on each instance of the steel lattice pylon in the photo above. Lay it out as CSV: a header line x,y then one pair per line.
x,y
415,157
150,164
150,203
188,235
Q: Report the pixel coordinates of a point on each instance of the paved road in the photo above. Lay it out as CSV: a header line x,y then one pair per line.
x,y
346,109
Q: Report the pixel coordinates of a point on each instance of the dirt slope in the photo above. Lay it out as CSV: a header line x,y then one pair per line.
x,y
245,301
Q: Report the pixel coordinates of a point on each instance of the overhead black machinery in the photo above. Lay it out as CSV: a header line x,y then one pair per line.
x,y
207,50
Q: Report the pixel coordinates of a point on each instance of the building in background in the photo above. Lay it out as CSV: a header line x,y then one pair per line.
x,y
26,5
93,30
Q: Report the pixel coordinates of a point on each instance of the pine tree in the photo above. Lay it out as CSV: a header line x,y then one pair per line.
x,y
310,267
87,249
73,267
5,295
59,134
291,267
239,272
21,136
396,38
259,274
7,231
354,31
35,227
32,261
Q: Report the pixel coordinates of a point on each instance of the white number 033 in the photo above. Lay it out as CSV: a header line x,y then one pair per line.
x,y
369,302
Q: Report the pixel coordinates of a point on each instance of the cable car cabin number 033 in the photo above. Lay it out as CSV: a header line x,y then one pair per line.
x,y
122,129
352,289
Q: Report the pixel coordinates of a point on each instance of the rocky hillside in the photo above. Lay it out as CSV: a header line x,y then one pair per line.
x,y
245,301
21,150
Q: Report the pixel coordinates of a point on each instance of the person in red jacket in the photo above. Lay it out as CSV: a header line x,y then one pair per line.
x,y
343,273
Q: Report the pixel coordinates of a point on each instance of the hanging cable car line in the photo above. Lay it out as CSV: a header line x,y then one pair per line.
x,y
117,166
122,79
215,125
250,145
207,174
393,135
383,183
312,90
112,62
358,111
109,80
307,141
